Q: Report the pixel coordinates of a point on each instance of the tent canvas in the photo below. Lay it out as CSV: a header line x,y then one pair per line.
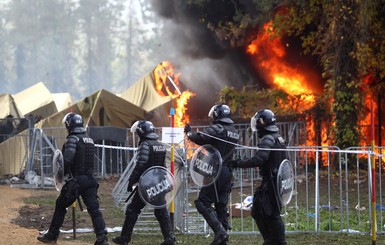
x,y
144,95
62,100
8,107
99,109
36,100
102,108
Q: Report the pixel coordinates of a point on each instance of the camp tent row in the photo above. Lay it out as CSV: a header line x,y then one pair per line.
x,y
102,108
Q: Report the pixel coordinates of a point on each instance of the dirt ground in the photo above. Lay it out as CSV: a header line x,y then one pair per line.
x,y
21,223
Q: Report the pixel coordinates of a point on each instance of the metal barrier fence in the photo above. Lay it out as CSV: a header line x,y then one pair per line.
x,y
332,194
333,187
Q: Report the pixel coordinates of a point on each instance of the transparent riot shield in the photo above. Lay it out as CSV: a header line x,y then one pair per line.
x,y
205,165
58,169
285,182
156,187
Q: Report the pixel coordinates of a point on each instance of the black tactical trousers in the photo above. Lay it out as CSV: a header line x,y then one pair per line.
x,y
219,195
88,192
133,210
268,219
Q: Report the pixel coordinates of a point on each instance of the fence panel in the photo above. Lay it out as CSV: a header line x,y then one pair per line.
x,y
332,192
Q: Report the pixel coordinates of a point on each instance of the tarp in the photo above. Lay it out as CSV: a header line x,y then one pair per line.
x,y
144,95
99,109
8,107
62,100
36,100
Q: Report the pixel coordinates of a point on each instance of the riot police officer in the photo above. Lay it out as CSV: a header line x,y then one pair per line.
x,y
78,156
223,136
151,152
266,207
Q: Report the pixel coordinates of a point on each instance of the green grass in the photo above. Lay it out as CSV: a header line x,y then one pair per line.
x,y
299,220
298,239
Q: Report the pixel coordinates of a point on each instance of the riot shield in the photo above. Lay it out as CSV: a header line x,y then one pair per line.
x,y
156,187
58,169
285,182
205,165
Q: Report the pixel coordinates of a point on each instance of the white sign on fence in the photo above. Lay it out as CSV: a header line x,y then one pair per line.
x,y
172,135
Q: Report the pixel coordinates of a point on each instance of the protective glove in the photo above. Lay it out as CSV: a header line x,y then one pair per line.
x,y
129,187
233,163
187,128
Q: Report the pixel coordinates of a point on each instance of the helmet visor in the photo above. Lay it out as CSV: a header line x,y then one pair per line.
x,y
65,119
211,112
134,127
253,123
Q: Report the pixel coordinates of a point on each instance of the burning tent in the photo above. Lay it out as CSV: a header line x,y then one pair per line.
x,y
157,92
144,95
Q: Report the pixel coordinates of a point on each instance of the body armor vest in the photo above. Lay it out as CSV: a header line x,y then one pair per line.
x,y
270,169
157,155
84,156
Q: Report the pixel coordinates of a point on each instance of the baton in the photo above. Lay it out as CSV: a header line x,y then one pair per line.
x,y
132,193
80,204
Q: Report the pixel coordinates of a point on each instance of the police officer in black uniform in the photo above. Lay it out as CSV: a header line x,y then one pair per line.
x,y
151,152
266,207
219,134
78,155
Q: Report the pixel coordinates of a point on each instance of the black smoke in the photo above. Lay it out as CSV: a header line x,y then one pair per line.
x,y
206,63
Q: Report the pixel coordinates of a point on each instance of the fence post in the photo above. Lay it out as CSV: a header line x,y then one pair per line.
x,y
316,205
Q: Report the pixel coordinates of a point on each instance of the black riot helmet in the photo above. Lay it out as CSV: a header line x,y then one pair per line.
x,y
145,129
262,121
221,113
74,123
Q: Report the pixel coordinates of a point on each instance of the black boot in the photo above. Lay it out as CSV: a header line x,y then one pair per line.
x,y
48,237
225,242
169,241
128,227
121,240
101,239
220,234
165,226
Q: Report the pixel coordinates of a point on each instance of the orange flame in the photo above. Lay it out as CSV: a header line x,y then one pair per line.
x,y
269,54
167,85
365,122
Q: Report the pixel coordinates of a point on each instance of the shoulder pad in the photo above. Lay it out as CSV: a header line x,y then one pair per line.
x,y
281,140
268,137
218,127
73,138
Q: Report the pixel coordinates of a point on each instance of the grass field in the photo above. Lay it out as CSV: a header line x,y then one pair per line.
x,y
114,218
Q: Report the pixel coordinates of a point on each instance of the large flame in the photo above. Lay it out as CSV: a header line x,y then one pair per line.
x,y
167,85
269,54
